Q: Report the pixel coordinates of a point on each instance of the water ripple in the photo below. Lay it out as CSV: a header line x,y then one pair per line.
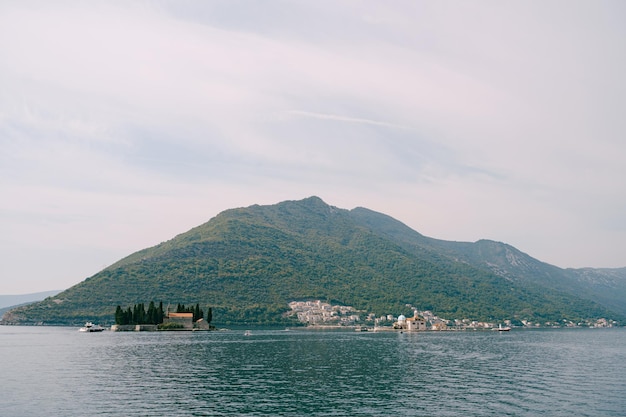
x,y
306,373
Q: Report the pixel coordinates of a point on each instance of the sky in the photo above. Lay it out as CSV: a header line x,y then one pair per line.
x,y
124,124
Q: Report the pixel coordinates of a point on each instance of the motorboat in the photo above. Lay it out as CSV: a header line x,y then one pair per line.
x,y
89,327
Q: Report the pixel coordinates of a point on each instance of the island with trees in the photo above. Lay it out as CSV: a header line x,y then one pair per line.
x,y
155,317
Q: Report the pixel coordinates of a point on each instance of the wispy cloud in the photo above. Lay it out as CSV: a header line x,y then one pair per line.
x,y
339,118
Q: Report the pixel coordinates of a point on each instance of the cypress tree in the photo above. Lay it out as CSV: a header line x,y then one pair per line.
x,y
160,313
142,314
119,315
151,319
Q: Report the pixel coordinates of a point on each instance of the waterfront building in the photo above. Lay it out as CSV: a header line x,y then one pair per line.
x,y
415,323
184,319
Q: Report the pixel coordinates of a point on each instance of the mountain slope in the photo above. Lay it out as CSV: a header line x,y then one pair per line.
x,y
8,302
605,286
12,300
248,263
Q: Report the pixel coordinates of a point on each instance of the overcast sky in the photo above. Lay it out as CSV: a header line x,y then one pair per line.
x,y
123,124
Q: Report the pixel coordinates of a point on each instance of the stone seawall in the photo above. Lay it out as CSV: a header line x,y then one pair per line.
x,y
134,328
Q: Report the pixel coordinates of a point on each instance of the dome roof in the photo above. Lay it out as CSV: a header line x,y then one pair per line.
x,y
401,317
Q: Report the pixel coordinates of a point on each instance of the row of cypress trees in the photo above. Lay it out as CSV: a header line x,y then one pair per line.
x,y
138,314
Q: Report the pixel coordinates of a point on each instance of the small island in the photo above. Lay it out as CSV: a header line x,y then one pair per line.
x,y
155,318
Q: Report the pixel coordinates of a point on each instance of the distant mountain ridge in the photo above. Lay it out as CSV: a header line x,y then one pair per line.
x,y
604,285
7,302
248,263
12,300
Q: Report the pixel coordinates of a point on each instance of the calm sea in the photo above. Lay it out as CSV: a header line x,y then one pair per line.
x,y
47,371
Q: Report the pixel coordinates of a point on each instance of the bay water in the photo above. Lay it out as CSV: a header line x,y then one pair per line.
x,y
58,371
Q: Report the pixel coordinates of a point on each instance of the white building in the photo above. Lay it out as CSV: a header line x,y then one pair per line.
x,y
415,323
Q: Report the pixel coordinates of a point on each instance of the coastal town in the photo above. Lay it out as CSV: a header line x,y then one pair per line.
x,y
316,313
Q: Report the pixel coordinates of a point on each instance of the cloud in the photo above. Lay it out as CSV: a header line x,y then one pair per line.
x,y
339,118
501,121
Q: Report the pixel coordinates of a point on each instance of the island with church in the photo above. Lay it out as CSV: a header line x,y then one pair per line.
x,y
156,318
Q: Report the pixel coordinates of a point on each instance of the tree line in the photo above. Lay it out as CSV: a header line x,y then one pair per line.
x,y
155,314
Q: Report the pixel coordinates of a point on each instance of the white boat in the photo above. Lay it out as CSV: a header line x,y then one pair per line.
x,y
247,333
89,327
502,329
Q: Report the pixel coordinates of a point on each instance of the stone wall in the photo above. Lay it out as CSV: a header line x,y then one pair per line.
x,y
134,328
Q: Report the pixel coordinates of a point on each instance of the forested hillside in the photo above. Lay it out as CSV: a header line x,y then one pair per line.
x,y
248,263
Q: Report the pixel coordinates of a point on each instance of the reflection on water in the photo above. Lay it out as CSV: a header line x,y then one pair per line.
x,y
312,373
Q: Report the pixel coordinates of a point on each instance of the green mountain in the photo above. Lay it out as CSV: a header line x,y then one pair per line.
x,y
249,263
602,285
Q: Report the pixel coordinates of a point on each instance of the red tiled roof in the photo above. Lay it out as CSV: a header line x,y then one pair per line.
x,y
180,315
